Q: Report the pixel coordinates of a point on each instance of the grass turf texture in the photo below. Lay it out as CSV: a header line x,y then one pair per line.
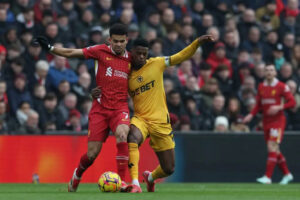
x,y
165,191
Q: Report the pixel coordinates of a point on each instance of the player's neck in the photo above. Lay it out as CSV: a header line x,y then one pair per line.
x,y
270,81
136,67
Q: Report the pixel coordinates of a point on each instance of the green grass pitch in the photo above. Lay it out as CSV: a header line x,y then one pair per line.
x,y
164,191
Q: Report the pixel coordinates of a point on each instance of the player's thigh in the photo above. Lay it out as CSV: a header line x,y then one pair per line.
x,y
138,130
94,148
161,138
167,160
98,126
119,124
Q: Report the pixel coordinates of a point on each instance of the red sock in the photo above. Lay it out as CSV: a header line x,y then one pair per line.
x,y
271,163
282,164
122,159
84,163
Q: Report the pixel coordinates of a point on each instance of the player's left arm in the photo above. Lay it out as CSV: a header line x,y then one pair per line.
x,y
290,101
188,51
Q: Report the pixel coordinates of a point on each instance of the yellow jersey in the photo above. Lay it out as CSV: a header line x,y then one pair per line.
x,y
146,88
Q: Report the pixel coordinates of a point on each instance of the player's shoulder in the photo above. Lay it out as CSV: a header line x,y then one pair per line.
x,y
283,86
155,59
98,47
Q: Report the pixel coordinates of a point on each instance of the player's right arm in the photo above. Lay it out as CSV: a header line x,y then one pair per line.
x,y
65,52
189,51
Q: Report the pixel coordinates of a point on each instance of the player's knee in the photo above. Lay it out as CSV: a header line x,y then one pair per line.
x,y
132,138
122,133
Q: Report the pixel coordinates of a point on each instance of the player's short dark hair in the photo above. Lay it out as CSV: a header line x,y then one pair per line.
x,y
118,29
50,96
140,42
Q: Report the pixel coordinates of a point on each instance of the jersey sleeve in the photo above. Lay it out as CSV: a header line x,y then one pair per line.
x,y
91,52
289,98
161,62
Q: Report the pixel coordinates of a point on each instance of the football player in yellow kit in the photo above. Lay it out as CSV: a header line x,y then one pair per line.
x,y
151,117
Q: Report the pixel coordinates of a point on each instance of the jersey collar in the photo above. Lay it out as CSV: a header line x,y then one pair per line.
x,y
274,82
125,55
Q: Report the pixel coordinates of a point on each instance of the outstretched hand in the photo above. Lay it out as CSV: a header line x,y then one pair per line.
x,y
205,38
43,42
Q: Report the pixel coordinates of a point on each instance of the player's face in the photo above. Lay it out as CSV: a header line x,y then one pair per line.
x,y
118,43
270,72
139,56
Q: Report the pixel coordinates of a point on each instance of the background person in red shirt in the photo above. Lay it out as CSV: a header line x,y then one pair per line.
x,y
269,100
110,110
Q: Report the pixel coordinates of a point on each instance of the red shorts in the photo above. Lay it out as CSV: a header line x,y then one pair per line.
x,y
101,120
274,130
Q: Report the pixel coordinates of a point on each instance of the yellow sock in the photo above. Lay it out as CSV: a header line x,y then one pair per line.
x,y
134,157
158,173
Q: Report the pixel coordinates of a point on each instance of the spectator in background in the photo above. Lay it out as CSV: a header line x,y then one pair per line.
x,y
256,56
193,114
186,34
204,74
31,125
269,44
50,112
231,45
133,34
293,114
25,20
81,89
171,44
153,22
64,88
69,103
40,75
86,21
10,37
268,10
85,108
218,57
38,95
247,21
196,61
156,47
209,91
3,93
238,126
288,44
65,34
150,35
14,69
168,85
39,8
278,56
286,73
207,22
23,111
31,56
221,124
47,18
102,6
4,119
127,17
3,24
126,5
222,74
18,93
59,72
66,7
168,20
19,5
73,122
253,40
185,123
184,71
3,53
296,57
175,104
259,73
5,4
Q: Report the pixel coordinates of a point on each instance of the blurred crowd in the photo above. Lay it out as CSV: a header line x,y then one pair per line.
x,y
40,92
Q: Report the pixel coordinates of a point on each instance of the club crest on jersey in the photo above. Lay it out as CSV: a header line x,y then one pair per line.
x,y
140,79
273,92
108,71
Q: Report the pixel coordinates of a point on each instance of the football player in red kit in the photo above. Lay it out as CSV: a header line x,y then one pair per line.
x,y
269,101
110,110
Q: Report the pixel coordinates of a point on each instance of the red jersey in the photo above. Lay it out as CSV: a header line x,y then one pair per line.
x,y
111,75
269,95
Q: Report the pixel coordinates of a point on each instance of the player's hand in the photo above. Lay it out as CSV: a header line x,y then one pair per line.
x,y
273,110
96,92
205,38
247,119
43,42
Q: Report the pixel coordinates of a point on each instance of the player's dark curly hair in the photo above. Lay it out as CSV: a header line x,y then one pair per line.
x,y
140,42
118,29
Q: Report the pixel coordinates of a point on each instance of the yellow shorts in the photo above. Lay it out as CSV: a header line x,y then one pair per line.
x,y
161,136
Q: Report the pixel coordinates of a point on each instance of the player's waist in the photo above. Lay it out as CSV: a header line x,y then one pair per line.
x,y
110,104
159,121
